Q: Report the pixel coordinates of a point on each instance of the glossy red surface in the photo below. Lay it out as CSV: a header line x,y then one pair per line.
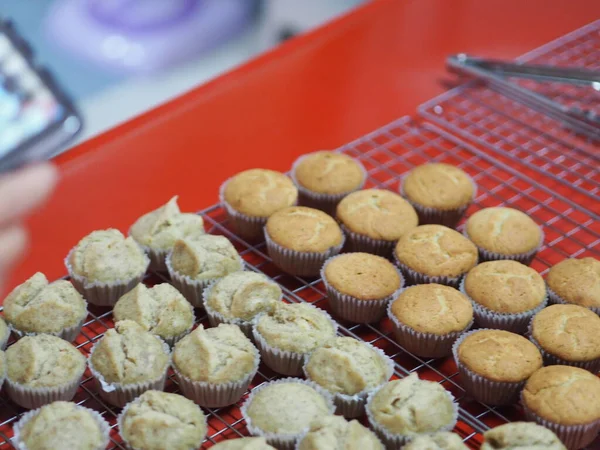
x,y
317,91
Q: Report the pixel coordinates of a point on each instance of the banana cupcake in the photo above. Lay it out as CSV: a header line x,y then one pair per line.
x,y
196,262
252,196
248,443
505,294
4,333
335,433
158,421
158,230
521,435
323,178
374,219
437,441
161,310
575,281
128,361
435,254
215,366
348,369
2,368
566,400
441,193
104,265
567,335
404,409
360,286
42,369
428,319
239,297
504,233
37,306
300,239
63,425
282,410
286,335
495,364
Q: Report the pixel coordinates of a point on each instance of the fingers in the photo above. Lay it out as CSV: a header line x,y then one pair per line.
x,y
13,241
24,190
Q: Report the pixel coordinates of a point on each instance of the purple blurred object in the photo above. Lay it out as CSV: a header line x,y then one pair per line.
x,y
145,36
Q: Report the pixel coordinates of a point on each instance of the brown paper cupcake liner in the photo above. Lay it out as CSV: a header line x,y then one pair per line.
x,y
216,395
353,406
325,202
395,440
101,293
102,424
282,361
523,258
414,277
555,299
302,264
355,310
356,242
425,345
119,394
515,322
483,390
281,441
34,397
574,437
69,334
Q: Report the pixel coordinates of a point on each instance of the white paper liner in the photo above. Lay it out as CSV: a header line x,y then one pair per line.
x,y
355,310
523,258
191,289
122,415
302,264
216,395
394,440
356,242
68,334
555,299
574,437
414,277
157,258
281,441
514,322
486,391
118,394
325,202
102,425
100,293
283,361
353,406
425,345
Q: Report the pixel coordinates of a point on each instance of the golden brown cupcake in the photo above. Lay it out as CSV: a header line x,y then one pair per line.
x,y
521,435
252,196
441,193
429,318
360,286
335,433
435,254
504,233
374,220
505,294
575,281
300,239
323,178
495,364
565,400
567,335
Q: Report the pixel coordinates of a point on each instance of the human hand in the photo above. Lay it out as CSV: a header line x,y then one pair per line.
x,y
20,193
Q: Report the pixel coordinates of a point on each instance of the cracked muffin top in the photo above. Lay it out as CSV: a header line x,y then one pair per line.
x,y
437,441
436,250
327,172
129,354
576,281
304,229
335,433
412,406
248,443
159,229
521,436
158,420
43,361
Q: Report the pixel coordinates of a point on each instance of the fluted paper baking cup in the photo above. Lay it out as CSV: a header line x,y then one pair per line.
x,y
425,345
514,322
353,406
356,242
523,258
34,397
353,309
555,299
68,334
281,441
119,394
574,437
396,440
414,277
103,293
157,258
302,264
102,425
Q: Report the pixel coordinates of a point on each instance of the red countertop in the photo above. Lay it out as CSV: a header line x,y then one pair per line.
x,y
316,91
